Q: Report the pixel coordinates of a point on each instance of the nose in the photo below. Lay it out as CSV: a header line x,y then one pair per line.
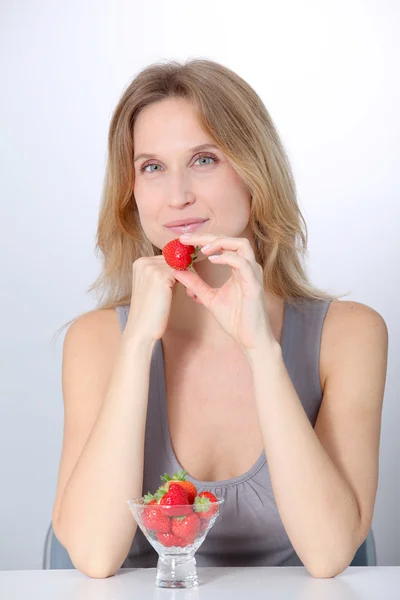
x,y
179,193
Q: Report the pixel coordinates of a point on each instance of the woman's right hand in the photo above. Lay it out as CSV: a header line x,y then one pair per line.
x,y
152,283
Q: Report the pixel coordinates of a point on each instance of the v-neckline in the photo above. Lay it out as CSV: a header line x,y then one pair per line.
x,y
285,338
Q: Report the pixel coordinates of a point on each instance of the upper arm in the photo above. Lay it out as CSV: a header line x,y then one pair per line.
x,y
89,353
353,365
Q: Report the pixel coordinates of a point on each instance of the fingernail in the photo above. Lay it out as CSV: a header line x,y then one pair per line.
x,y
185,236
206,247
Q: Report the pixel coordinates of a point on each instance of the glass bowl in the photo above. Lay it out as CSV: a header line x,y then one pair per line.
x,y
175,532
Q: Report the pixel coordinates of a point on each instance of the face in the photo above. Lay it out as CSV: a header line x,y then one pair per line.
x,y
178,181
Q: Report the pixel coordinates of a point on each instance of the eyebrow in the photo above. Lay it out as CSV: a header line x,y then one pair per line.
x,y
195,149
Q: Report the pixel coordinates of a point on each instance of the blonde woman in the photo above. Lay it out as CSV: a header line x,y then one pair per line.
x,y
267,391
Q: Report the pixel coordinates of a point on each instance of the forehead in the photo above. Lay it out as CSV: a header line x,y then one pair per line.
x,y
170,121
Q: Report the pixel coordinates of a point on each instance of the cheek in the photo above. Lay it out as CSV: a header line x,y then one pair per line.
x,y
234,198
146,199
234,206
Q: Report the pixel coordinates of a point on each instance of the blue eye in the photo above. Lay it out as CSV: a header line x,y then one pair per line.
x,y
151,165
205,158
214,160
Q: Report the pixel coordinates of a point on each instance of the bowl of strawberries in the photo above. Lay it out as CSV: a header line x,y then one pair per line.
x,y
175,520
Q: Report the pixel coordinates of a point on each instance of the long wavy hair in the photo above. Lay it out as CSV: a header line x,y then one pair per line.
x,y
235,118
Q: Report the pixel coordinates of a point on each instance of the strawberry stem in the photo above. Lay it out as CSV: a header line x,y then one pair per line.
x,y
201,504
148,498
160,493
194,255
180,475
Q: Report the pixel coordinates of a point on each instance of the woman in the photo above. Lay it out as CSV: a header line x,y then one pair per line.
x,y
266,390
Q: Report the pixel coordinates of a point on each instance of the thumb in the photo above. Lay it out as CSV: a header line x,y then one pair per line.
x,y
193,282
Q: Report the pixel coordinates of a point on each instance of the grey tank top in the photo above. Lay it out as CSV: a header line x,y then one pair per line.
x,y
248,530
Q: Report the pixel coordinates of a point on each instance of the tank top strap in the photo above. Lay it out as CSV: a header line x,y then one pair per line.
x,y
123,312
302,343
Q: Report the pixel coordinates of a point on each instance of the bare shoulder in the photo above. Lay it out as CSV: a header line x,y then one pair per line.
x,y
90,347
346,313
93,327
351,327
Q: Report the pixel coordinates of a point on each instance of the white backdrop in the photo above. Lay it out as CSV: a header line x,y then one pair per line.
x,y
326,72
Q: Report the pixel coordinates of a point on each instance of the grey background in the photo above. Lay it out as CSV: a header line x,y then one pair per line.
x,y
326,72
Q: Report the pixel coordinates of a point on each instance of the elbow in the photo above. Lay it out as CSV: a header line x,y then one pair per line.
x,y
95,567
330,564
94,570
326,570
338,556
91,564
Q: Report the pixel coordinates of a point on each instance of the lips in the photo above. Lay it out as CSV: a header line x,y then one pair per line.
x,y
188,228
185,225
188,221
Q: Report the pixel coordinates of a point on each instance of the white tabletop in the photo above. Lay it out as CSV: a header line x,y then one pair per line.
x,y
245,583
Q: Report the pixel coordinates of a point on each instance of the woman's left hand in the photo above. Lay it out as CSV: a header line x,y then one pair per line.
x,y
239,305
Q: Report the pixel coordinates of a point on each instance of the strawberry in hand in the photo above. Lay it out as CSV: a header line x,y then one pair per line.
x,y
179,256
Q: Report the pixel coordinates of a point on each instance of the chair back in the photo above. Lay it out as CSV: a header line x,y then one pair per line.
x,y
55,556
366,554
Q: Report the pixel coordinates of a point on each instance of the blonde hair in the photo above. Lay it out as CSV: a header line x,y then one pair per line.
x,y
235,118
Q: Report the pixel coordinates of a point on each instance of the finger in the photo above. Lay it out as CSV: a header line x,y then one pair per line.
x,y
241,266
193,296
196,285
240,245
198,239
255,266
212,243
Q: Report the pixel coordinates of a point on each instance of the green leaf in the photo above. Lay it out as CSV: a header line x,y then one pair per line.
x,y
160,493
179,476
148,498
201,504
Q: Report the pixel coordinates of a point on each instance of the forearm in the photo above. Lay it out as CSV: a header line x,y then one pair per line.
x,y
316,505
94,521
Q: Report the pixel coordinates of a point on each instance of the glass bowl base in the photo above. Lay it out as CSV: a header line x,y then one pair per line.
x,y
176,571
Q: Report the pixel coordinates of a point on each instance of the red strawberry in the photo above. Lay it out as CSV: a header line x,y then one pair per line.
x,y
174,502
186,528
179,256
203,505
169,539
180,479
155,519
